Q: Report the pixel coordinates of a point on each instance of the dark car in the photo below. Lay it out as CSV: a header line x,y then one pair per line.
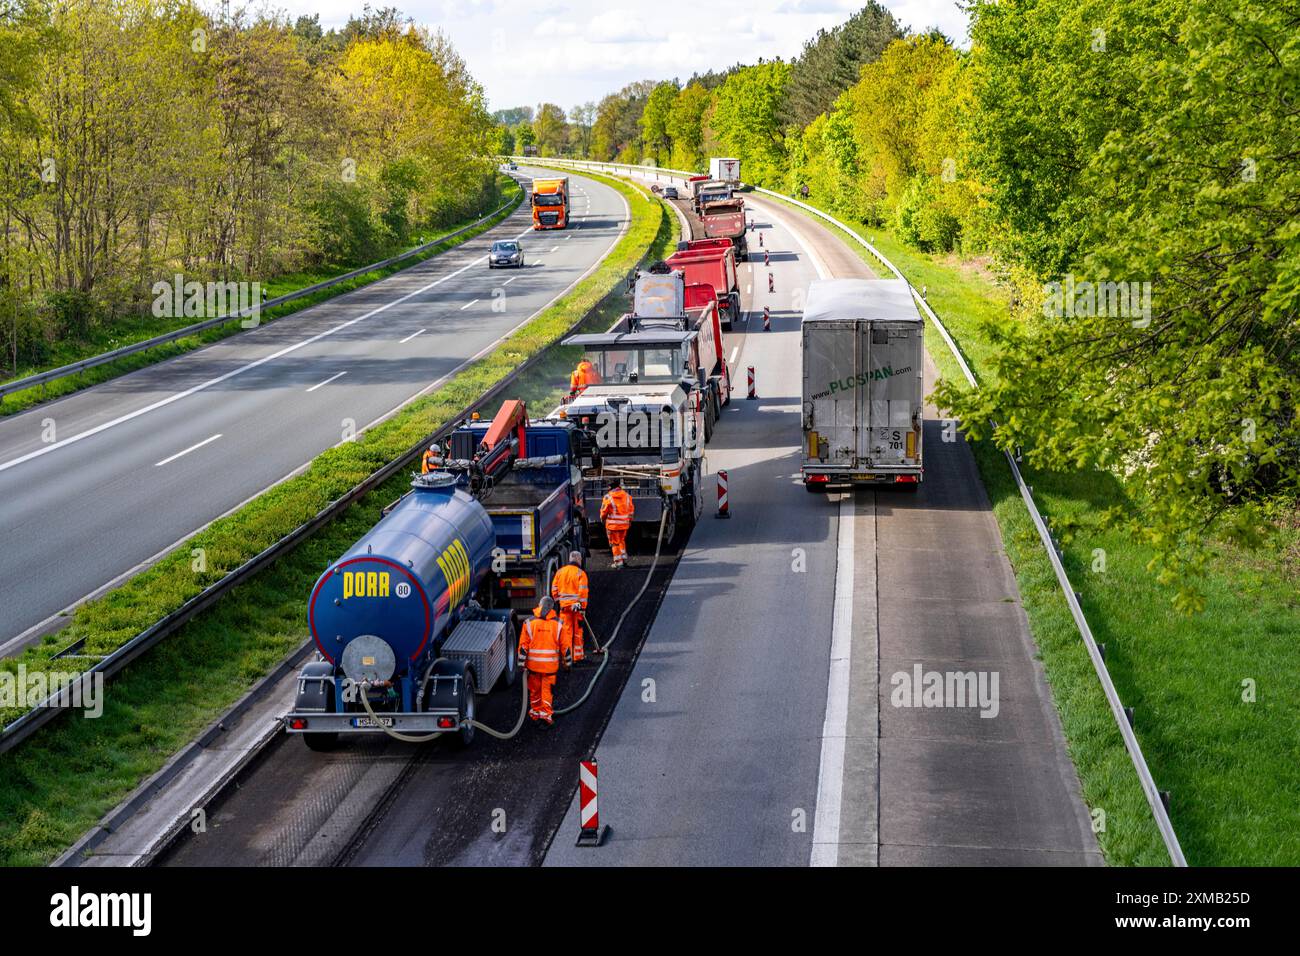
x,y
670,192
505,252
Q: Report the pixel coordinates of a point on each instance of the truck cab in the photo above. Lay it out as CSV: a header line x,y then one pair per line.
x,y
550,203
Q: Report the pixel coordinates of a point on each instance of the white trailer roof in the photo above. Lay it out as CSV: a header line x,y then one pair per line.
x,y
876,299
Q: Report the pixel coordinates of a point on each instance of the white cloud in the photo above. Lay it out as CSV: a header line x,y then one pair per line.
x,y
571,51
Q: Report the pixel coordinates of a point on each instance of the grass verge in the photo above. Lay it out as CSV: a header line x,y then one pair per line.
x,y
140,328
1230,763
57,784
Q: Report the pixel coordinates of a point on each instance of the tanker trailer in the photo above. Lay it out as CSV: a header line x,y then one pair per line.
x,y
395,620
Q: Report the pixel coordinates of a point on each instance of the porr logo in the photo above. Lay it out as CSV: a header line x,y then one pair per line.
x,y
365,584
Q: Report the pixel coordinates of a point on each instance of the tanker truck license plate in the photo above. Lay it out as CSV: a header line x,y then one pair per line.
x,y
371,722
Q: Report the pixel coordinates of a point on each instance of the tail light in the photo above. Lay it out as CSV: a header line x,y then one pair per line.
x,y
819,479
297,723
446,723
906,479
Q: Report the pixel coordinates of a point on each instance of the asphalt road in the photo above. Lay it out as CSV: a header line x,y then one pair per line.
x,y
773,736
140,462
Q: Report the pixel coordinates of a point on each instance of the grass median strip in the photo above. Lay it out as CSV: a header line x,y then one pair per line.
x,y
1228,760
60,782
146,327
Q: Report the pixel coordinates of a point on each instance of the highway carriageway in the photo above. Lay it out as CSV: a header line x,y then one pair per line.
x,y
746,718
143,461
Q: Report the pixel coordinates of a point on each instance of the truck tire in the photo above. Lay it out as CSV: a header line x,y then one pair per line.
x,y
510,673
321,743
439,694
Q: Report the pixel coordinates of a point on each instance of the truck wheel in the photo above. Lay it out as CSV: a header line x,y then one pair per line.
x,y
321,743
465,736
510,673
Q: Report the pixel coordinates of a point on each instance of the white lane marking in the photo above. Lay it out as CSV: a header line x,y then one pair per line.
x,y
510,280
333,377
822,271
468,304
179,454
734,352
555,248
567,238
411,336
749,288
830,775
163,402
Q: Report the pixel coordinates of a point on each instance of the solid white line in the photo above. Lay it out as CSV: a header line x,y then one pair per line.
x,y
830,775
555,248
180,454
411,336
468,304
327,381
163,402
734,352
510,280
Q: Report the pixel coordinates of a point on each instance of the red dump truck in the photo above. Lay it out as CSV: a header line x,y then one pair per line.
x,y
712,262
725,219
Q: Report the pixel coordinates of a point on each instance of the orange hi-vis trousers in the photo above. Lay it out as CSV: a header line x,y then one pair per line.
x,y
617,542
540,687
571,631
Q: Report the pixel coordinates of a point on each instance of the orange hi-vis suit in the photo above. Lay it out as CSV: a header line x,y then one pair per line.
x,y
569,588
585,374
616,511
540,648
426,463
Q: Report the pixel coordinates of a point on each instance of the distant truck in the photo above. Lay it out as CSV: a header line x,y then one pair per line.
x,y
551,203
725,169
863,394
725,219
713,262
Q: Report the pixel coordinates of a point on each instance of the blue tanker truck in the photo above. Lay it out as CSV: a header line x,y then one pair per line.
x,y
421,614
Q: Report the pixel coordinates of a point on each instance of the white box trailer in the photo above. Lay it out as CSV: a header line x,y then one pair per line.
x,y
863,344
725,169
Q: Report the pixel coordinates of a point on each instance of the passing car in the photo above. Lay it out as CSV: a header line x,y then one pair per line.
x,y
670,192
512,166
506,253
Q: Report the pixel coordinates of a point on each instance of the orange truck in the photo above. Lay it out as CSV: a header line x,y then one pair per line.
x,y
551,203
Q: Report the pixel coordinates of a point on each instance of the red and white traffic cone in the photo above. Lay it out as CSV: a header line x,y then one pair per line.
x,y
752,393
767,319
760,240
591,833
771,283
724,509
767,259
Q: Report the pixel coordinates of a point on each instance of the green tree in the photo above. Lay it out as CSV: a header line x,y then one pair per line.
x,y
686,127
552,129
746,119
656,140
1147,148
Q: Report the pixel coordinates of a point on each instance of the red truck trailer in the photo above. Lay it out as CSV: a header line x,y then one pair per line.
x,y
726,220
713,263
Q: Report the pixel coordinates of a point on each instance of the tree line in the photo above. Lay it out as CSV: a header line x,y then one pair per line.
x,y
1130,169
144,138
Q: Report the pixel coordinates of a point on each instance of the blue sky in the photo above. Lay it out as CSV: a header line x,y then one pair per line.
x,y
571,51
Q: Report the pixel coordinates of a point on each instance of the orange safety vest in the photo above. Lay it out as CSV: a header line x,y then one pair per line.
x,y
426,463
616,509
569,586
585,374
539,643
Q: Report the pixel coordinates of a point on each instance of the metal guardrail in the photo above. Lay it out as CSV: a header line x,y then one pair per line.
x,y
63,371
1155,799
60,702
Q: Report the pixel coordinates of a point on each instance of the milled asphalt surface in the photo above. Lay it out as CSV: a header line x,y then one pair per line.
x,y
741,756
78,514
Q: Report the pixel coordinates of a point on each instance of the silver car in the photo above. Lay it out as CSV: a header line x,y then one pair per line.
x,y
506,253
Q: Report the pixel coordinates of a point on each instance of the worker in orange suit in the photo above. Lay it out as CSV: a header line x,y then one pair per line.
x,y
616,512
541,649
427,463
585,374
569,588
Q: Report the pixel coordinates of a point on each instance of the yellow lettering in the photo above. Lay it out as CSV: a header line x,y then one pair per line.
x,y
383,584
347,585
